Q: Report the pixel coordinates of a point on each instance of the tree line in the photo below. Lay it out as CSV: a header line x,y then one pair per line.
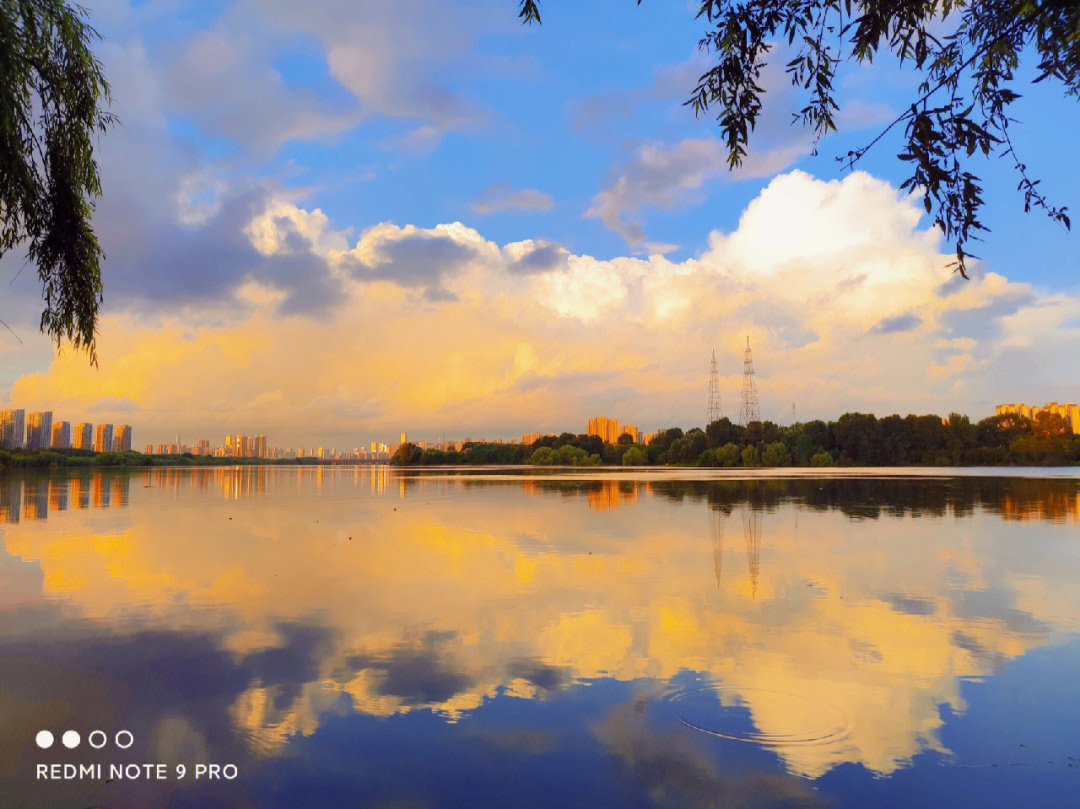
x,y
855,439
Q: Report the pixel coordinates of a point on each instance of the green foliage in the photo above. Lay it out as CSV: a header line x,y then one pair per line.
x,y
51,93
855,439
776,454
406,455
544,456
965,54
728,455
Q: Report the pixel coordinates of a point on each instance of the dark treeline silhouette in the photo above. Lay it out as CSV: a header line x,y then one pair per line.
x,y
855,439
858,498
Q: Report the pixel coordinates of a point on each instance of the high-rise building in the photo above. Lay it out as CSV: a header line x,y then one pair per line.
x,y
61,435
122,441
103,438
1069,412
39,430
13,429
82,437
632,431
530,438
607,429
148,449
260,446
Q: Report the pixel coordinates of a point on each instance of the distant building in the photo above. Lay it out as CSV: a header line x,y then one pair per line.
x,y
103,438
606,429
260,446
632,431
39,430
1068,411
61,435
13,429
82,437
148,449
122,441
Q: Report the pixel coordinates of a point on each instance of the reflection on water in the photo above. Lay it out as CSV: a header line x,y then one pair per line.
x,y
351,636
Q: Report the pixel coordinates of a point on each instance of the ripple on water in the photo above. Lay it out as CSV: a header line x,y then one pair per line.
x,y
806,721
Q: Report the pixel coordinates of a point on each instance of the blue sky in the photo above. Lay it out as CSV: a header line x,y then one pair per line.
x,y
317,125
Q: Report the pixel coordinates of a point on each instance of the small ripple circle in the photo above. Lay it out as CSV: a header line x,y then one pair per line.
x,y
44,739
70,739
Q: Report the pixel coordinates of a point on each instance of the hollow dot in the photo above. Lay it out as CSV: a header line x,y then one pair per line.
x,y
97,739
128,739
44,739
70,739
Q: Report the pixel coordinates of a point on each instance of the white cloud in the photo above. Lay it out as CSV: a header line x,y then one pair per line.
x,y
670,177
442,329
503,197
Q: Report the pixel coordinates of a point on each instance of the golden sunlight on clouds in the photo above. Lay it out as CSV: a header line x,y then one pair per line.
x,y
849,306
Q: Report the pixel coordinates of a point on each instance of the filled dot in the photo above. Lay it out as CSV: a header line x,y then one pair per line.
x,y
70,739
44,739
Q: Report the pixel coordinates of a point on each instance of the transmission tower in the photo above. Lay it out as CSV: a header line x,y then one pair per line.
x,y
713,412
749,410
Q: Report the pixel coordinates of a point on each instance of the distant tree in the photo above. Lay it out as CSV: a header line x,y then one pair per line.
x,y
804,447
722,431
634,456
693,444
822,459
965,53
776,454
1050,425
728,455
544,456
751,456
52,93
406,455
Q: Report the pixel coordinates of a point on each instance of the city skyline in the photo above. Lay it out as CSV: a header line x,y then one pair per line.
x,y
321,239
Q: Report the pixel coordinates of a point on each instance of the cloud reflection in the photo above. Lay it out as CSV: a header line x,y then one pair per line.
x,y
333,590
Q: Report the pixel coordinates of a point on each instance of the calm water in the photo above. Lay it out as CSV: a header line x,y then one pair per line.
x,y
355,638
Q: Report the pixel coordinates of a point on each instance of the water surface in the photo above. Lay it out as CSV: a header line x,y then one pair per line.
x,y
354,637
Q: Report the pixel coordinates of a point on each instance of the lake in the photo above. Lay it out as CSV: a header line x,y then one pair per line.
x,y
359,637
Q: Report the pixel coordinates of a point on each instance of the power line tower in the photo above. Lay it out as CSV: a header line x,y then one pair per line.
x,y
749,410
713,412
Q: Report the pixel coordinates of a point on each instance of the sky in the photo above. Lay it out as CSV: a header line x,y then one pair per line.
x,y
333,222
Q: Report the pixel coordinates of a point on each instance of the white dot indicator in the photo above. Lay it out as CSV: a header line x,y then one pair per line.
x,y
44,739
128,739
70,739
97,739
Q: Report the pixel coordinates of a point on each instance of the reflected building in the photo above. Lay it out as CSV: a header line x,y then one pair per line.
x,y
611,494
121,488
36,499
99,492
79,492
10,499
58,495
